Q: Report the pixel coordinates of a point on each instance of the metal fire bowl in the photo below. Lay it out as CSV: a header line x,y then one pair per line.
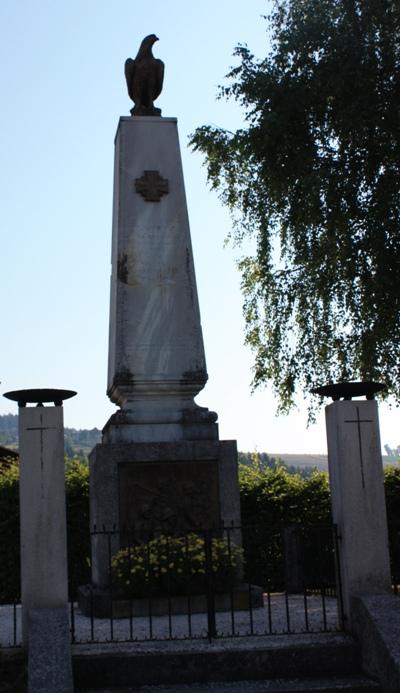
x,y
39,396
349,390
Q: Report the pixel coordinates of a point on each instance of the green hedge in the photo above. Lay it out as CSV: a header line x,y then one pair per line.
x,y
9,533
270,498
77,502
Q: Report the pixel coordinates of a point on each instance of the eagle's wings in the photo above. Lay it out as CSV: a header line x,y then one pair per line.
x,y
129,76
159,74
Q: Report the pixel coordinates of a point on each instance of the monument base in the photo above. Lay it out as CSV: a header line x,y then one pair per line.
x,y
98,603
138,490
141,424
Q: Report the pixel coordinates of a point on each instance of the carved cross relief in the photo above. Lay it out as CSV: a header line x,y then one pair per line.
x,y
152,186
360,421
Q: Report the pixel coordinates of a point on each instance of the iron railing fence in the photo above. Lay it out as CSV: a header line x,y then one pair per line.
x,y
210,583
295,570
394,545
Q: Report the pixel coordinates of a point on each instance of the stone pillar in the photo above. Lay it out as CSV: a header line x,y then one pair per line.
x,y
156,354
44,573
44,580
358,500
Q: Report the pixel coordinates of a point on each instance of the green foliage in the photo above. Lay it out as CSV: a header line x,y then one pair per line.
x,y
271,500
315,177
263,460
259,458
275,498
77,503
8,429
9,532
392,492
168,565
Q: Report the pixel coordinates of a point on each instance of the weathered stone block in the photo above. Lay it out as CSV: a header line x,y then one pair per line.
x,y
49,651
97,603
180,486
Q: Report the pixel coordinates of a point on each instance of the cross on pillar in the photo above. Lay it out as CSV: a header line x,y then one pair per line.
x,y
359,421
152,186
41,429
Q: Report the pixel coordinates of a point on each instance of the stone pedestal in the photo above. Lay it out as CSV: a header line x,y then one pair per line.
x,y
358,500
44,582
173,488
49,655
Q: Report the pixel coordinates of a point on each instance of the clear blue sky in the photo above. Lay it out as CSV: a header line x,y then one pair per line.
x,y
63,90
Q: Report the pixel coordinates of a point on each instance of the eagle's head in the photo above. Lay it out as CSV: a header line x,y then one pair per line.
x,y
152,38
146,45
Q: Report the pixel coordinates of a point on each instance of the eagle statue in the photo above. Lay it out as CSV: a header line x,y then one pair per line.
x,y
144,78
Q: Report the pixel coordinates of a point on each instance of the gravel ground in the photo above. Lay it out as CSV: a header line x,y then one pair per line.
x,y
304,686
279,617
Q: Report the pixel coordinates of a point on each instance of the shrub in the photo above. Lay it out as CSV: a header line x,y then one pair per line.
x,y
77,504
275,498
392,493
174,565
271,499
9,532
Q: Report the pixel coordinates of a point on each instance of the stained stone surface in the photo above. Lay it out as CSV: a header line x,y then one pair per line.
x,y
44,581
376,625
138,474
49,652
156,353
169,497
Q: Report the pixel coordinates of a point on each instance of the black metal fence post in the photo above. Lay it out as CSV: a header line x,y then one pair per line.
x,y
211,621
197,577
336,539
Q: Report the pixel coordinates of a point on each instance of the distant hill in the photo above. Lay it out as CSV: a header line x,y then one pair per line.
x,y
295,464
321,461
303,461
76,441
298,462
81,442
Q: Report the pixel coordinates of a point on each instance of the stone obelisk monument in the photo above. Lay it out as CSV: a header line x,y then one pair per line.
x,y
160,464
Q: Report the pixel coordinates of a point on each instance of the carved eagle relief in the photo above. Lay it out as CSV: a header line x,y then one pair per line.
x,y
144,78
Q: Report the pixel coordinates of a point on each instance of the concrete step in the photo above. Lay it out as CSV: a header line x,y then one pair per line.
x,y
179,663
348,684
